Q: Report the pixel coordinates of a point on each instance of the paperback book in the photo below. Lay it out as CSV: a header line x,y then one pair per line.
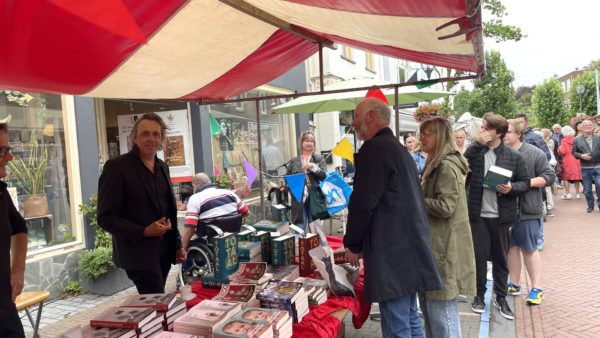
x,y
495,176
225,254
158,301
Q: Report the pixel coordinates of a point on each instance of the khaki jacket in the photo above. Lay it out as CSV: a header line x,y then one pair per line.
x,y
450,231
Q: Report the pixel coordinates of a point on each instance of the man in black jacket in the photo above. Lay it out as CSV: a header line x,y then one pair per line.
x,y
388,224
137,206
492,213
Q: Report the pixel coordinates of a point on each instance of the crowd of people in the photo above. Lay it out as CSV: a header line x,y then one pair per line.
x,y
427,201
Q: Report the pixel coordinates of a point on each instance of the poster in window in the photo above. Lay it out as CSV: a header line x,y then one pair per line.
x,y
176,152
225,134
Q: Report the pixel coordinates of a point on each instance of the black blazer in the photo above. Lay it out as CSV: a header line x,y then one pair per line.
x,y
126,206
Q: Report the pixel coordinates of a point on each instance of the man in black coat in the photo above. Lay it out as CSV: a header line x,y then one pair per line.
x,y
388,224
137,206
493,212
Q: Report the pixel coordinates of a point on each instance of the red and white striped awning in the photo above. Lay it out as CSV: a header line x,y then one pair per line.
x,y
210,49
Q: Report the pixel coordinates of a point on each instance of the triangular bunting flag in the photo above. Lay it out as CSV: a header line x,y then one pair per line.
x,y
250,172
296,184
425,83
344,149
377,94
214,125
111,15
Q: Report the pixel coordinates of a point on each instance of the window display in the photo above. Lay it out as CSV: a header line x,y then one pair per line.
x,y
38,174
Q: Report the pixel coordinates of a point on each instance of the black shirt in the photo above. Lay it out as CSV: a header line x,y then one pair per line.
x,y
11,223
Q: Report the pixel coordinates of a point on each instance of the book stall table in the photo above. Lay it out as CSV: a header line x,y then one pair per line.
x,y
323,320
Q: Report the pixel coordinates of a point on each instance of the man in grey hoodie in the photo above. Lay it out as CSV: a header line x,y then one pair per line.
x,y
524,235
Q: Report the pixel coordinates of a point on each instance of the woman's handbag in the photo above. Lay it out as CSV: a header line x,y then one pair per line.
x,y
559,170
318,207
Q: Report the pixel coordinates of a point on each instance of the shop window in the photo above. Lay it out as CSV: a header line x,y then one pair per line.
x,y
237,140
38,176
347,53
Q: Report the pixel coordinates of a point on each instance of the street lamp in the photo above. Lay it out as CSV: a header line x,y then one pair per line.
x,y
580,89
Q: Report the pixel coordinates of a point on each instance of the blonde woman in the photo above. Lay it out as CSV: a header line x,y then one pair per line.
x,y
315,168
450,232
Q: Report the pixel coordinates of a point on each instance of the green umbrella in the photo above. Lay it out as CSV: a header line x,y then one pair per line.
x,y
349,100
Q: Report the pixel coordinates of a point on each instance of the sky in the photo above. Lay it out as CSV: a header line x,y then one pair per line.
x,y
561,35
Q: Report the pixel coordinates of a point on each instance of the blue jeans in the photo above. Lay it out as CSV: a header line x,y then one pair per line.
x,y
400,317
443,318
590,176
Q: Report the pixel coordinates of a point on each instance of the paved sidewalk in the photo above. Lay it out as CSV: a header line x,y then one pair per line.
x,y
570,275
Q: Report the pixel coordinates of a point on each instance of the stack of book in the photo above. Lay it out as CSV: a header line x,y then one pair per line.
x,y
249,251
85,331
165,304
305,244
264,237
251,273
210,281
204,318
280,320
317,290
145,321
284,250
275,228
284,295
225,254
166,334
284,272
238,328
245,294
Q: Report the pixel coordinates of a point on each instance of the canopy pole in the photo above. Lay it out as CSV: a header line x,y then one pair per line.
x,y
260,168
322,87
397,111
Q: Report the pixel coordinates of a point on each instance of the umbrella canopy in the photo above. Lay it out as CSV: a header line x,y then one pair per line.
x,y
349,100
216,49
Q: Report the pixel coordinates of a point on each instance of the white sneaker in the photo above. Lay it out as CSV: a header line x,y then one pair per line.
x,y
565,197
578,196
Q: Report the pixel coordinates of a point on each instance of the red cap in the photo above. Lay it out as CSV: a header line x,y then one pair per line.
x,y
377,94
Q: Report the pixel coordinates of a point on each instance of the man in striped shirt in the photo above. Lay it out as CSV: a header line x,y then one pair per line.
x,y
209,202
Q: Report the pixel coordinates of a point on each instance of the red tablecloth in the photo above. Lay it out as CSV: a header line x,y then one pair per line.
x,y
318,322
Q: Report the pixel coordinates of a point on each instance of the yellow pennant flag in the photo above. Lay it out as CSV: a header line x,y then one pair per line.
x,y
344,149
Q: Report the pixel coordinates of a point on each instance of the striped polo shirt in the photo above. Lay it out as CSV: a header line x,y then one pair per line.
x,y
211,202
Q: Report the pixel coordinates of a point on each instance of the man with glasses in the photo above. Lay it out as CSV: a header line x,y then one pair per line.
x,y
13,237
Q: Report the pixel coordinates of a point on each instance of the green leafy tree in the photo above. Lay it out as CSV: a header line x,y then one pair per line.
x,y
495,93
495,27
588,99
548,104
524,106
593,64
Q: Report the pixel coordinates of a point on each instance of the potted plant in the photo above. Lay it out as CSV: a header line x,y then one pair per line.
x,y
98,273
434,110
29,173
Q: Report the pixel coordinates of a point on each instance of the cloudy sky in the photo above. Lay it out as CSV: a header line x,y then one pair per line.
x,y
561,35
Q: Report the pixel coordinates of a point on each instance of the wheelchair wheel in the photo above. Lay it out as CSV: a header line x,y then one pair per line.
x,y
199,263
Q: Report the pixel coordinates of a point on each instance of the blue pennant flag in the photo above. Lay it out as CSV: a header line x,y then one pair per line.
x,y
296,184
336,191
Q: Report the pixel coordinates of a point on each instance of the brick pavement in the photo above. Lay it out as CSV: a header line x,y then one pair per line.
x,y
570,276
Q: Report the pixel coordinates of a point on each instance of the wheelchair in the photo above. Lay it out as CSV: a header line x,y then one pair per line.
x,y
200,254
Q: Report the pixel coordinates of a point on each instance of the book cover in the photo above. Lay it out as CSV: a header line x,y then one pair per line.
x,y
247,249
87,331
237,327
236,292
250,271
274,317
270,226
283,250
176,307
264,237
174,151
212,282
494,176
244,235
283,272
305,244
124,317
159,301
229,307
226,257
165,334
280,291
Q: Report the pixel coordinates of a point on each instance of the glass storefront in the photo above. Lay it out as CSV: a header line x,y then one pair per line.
x,y
237,139
38,176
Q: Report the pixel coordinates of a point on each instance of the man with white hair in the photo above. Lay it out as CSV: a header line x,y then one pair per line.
x,y
586,148
557,137
208,202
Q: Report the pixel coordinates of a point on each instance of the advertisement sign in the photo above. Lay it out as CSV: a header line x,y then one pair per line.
x,y
176,152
